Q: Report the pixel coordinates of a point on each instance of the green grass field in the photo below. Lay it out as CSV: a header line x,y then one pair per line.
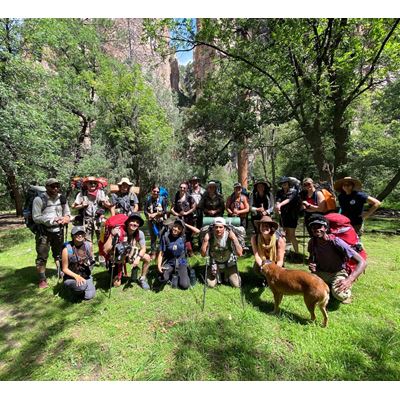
x,y
138,335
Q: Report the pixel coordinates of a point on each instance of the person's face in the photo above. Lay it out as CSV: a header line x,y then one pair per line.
x,y
211,189
155,192
238,189
285,186
265,228
219,229
133,225
53,189
183,188
318,230
347,187
124,188
177,229
260,188
92,185
194,183
79,238
308,186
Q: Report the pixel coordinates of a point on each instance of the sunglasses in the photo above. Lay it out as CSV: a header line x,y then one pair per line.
x,y
182,187
55,186
156,191
307,184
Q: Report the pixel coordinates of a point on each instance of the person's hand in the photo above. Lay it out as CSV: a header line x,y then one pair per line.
x,y
212,212
343,284
278,208
80,281
85,204
115,231
136,262
312,267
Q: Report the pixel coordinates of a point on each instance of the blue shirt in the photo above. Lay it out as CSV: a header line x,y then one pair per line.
x,y
172,247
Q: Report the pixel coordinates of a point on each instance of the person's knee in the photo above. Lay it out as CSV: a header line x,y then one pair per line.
x,y
211,282
234,280
90,293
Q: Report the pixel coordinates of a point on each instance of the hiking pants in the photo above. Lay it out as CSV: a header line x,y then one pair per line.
x,y
90,229
229,272
153,236
87,289
45,241
331,278
183,275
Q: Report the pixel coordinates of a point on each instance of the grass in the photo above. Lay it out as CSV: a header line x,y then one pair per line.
x,y
138,335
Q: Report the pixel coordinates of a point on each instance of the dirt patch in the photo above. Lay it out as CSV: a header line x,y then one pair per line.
x,y
10,221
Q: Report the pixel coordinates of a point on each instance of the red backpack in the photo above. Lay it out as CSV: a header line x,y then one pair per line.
x,y
112,222
341,227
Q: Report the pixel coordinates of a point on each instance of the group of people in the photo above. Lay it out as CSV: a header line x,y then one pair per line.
x,y
172,238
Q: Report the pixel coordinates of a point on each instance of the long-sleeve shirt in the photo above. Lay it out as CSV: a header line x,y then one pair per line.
x,y
53,210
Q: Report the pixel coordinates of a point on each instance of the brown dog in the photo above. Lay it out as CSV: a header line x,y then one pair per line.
x,y
285,281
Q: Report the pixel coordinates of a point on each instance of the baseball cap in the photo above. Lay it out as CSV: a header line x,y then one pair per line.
x,y
77,229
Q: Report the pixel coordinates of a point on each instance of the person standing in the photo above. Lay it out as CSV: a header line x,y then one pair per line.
x,y
287,206
196,191
237,204
155,210
89,202
51,213
261,201
124,201
351,201
184,207
212,203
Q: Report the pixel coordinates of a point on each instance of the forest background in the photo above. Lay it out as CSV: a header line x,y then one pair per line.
x,y
298,97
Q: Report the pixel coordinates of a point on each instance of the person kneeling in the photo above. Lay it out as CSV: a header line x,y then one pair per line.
x,y
77,259
223,248
328,257
172,261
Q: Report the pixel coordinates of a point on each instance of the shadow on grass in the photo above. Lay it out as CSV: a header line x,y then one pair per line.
x,y
15,237
31,320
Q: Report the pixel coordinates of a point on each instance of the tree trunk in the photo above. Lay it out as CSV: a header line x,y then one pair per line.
x,y
243,167
15,192
389,187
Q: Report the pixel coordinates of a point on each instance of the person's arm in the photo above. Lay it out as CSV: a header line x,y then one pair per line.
x,y
320,207
246,208
159,261
228,205
37,214
374,203
361,265
280,253
79,280
192,228
174,212
254,247
108,243
79,202
66,214
238,247
204,245
271,204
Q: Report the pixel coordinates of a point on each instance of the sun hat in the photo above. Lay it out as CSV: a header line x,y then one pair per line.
x,y
284,179
266,220
125,180
135,216
338,185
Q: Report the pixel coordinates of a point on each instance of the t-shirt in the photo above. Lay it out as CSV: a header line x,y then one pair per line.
x,y
141,239
352,206
208,203
93,202
221,249
197,194
293,206
124,203
331,255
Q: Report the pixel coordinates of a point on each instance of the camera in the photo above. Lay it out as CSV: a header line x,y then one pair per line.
x,y
121,249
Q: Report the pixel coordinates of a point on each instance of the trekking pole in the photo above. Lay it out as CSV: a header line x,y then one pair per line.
x,y
304,240
241,286
205,282
114,243
58,264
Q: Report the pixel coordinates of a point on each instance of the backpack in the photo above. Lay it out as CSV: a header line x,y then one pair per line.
x,y
112,222
71,255
239,231
32,193
329,196
341,227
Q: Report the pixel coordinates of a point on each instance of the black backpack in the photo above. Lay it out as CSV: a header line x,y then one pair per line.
x,y
32,193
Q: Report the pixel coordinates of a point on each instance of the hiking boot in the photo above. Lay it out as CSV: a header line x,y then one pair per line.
x,y
43,284
347,301
143,283
116,282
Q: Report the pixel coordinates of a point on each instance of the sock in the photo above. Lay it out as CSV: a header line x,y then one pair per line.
x,y
42,276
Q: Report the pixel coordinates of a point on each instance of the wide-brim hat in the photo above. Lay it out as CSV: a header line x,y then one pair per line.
x,y
91,179
77,229
135,216
262,181
338,185
125,180
266,220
